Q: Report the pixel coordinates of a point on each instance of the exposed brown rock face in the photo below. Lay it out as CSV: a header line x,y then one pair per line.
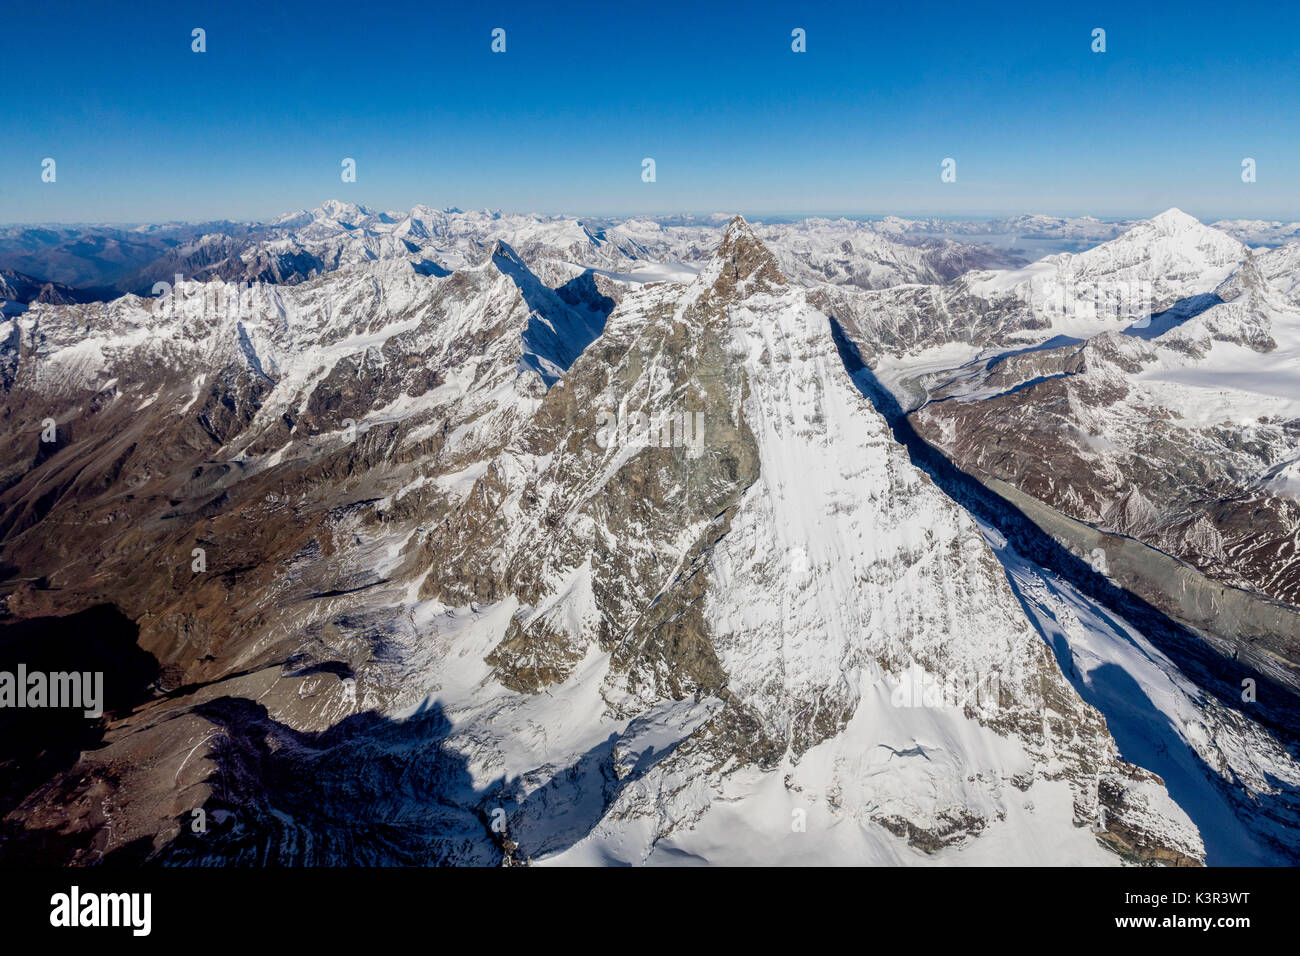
x,y
238,536
391,490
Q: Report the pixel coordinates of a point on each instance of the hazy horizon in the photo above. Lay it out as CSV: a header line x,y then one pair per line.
x,y
702,216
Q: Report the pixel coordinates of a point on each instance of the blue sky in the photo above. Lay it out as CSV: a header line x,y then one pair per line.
x,y
143,129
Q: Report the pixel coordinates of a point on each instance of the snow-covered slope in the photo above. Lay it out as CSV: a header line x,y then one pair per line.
x,y
1147,387
1238,779
847,588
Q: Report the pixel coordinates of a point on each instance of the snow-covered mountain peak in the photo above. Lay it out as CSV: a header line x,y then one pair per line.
x,y
290,220
342,211
738,225
1148,269
1171,236
504,257
1174,219
742,257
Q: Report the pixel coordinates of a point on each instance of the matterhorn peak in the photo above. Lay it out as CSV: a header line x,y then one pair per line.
x,y
743,256
737,223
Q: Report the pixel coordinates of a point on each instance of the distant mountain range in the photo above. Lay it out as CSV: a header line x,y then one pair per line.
x,y
101,261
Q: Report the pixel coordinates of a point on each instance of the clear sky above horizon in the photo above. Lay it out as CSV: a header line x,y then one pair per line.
x,y
142,129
